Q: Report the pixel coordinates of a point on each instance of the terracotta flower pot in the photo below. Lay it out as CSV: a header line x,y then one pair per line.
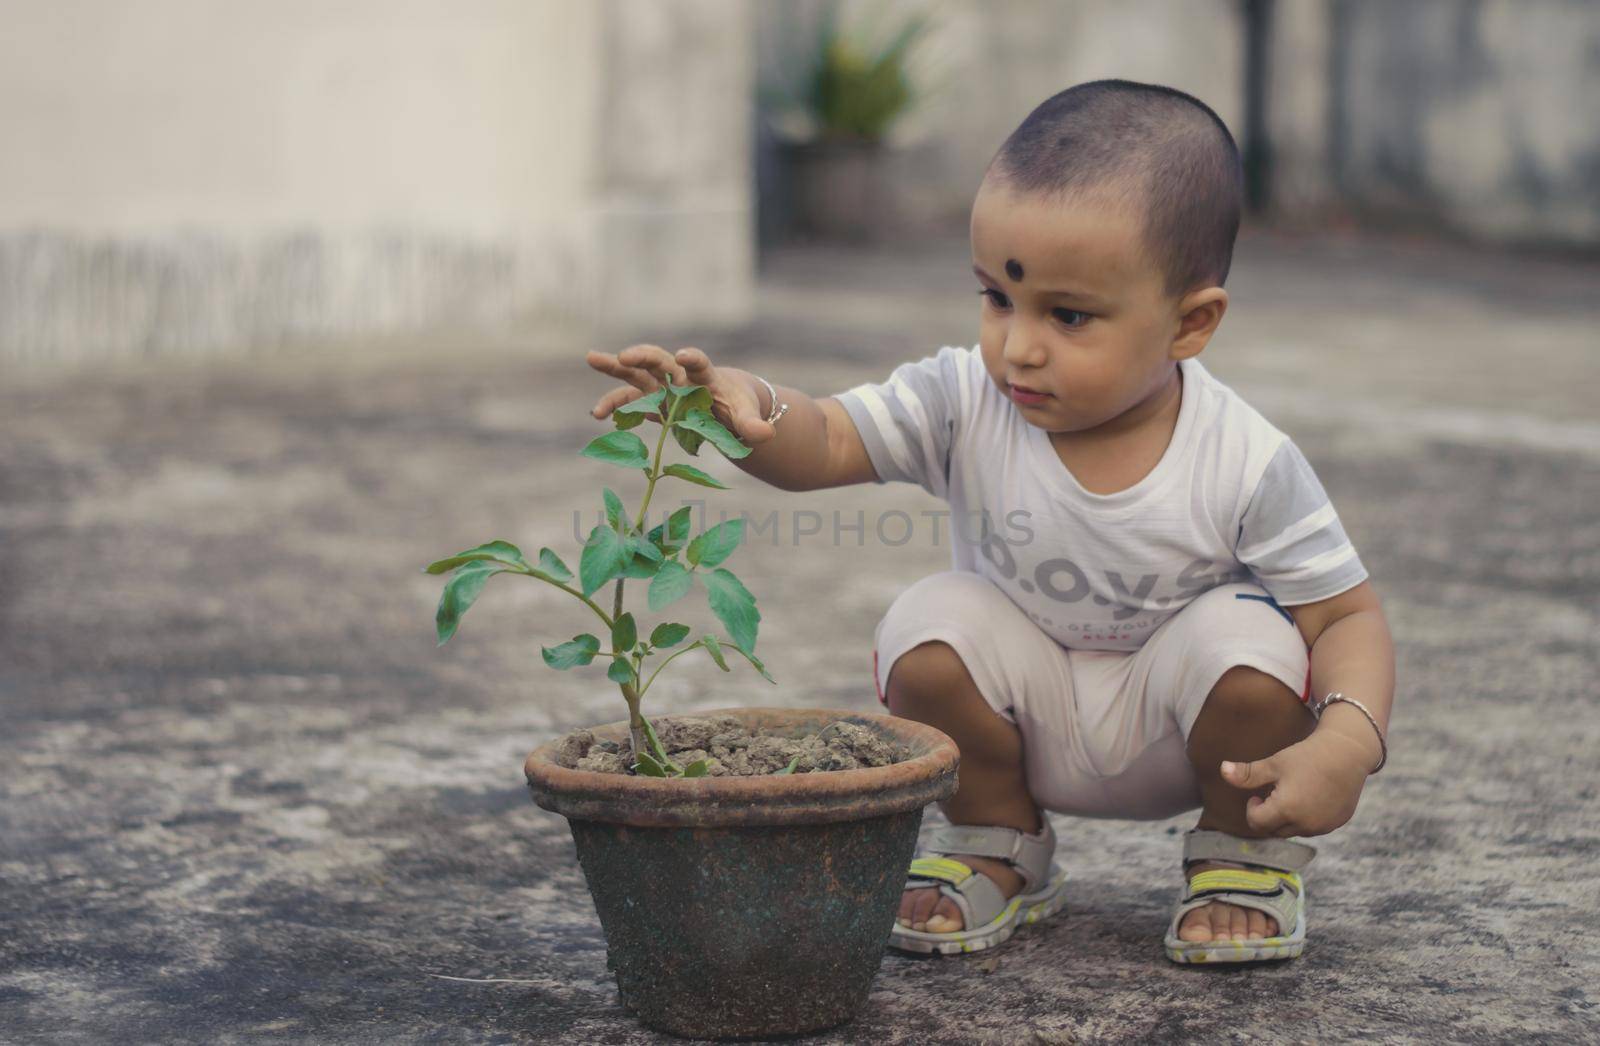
x,y
749,906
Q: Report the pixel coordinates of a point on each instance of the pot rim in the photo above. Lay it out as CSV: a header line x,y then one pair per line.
x,y
764,799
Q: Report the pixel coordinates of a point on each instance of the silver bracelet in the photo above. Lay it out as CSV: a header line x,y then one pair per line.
x,y
778,409
1322,705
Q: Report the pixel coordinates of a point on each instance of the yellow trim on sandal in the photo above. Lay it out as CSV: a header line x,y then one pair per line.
x,y
1264,881
943,869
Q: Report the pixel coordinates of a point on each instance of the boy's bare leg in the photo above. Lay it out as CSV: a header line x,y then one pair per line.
x,y
1248,715
930,684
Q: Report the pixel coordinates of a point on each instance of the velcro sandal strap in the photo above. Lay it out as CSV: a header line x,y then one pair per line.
x,y
1284,855
941,868
1238,880
979,899
1029,854
1283,902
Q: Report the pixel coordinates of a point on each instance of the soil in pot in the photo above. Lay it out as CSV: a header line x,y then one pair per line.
x,y
732,749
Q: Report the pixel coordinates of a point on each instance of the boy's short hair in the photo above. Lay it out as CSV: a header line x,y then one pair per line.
x,y
1164,151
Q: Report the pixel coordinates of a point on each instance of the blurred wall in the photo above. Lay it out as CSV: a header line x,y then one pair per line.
x,y
211,175
1470,115
1482,115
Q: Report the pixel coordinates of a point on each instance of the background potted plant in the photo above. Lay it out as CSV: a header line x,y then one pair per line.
x,y
745,887
831,113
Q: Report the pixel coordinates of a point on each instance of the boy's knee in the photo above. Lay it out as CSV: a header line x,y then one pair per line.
x,y
1251,696
922,675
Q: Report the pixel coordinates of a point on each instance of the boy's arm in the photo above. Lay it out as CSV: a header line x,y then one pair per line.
x,y
1352,653
1317,782
815,444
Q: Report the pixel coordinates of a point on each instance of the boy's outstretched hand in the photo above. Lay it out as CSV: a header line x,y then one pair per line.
x,y
1315,783
734,396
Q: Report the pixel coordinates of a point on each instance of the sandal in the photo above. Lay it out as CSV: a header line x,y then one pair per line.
x,y
987,917
1270,884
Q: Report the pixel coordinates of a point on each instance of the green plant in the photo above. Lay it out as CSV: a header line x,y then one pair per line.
x,y
850,88
619,550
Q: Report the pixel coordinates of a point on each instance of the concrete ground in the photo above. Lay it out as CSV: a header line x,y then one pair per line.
x,y
245,798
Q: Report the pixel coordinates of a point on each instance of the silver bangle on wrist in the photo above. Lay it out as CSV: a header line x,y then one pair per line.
x,y
1383,745
778,410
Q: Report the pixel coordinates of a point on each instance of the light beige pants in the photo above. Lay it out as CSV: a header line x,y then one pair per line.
x,y
1103,732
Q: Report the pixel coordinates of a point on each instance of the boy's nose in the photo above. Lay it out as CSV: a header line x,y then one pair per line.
x,y
1022,348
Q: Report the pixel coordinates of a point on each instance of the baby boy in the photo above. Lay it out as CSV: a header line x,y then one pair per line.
x,y
1153,606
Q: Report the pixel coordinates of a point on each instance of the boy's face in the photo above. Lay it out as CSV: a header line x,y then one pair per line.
x,y
1076,325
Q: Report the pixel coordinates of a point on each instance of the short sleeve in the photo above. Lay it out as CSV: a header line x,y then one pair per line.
x,y
1290,536
908,423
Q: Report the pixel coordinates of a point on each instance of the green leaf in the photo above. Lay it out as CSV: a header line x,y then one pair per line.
x,y
626,421
671,583
620,671
790,768
605,555
639,567
714,648
646,766
734,606
680,391
669,633
693,475
696,769
702,423
624,633
653,745
678,524
579,650
756,661
715,544
495,551
643,546
460,592
689,440
619,448
616,515
644,405
670,535
550,563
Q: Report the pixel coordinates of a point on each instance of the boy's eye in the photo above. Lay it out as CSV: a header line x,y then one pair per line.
x,y
1072,317
996,299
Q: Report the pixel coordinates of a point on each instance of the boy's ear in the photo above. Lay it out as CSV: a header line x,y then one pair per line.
x,y
1199,314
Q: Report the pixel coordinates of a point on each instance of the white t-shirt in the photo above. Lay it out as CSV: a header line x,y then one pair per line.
x,y
1231,499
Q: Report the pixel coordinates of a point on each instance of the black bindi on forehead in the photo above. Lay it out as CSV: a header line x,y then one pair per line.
x,y
1014,269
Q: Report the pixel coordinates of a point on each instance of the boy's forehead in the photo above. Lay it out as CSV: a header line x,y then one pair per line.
x,y
1089,241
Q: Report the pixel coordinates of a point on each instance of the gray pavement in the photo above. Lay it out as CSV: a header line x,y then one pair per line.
x,y
245,798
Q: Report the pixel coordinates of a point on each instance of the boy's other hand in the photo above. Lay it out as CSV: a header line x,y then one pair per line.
x,y
646,368
1316,784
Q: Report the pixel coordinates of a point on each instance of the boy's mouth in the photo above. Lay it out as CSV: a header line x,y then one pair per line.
x,y
1024,395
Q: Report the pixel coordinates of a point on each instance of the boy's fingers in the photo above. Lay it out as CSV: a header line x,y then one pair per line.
x,y
654,359
614,399
1265,815
606,363
752,429
697,366
1255,774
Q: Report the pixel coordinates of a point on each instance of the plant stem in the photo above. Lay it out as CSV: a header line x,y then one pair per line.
x,y
637,726
664,664
569,591
655,466
636,734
